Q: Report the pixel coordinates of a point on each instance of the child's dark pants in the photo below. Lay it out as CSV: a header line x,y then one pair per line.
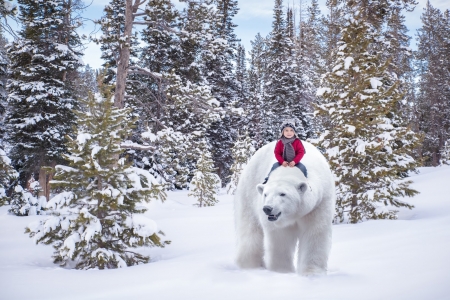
x,y
277,164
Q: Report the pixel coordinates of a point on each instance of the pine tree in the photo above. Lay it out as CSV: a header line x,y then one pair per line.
x,y
218,58
332,24
283,84
7,175
3,79
365,149
241,74
96,218
242,151
204,182
433,98
310,48
27,202
170,162
254,104
159,55
40,96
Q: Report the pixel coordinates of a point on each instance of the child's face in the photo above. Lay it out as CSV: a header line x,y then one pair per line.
x,y
288,132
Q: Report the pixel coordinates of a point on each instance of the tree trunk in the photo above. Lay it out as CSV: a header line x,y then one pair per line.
x,y
45,176
124,57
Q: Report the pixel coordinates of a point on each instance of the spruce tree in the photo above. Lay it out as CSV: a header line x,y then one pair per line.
x,y
7,175
366,150
255,106
159,55
218,58
169,163
40,96
205,181
433,98
27,202
96,218
283,85
242,151
3,80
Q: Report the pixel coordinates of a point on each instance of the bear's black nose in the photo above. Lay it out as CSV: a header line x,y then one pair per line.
x,y
267,209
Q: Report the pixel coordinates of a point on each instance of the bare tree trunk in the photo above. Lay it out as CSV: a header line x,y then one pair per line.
x,y
45,176
124,57
43,182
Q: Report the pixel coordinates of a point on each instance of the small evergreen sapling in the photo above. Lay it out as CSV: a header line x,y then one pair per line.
x,y
27,202
96,218
242,151
204,182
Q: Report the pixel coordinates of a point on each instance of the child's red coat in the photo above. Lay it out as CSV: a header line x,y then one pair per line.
x,y
298,148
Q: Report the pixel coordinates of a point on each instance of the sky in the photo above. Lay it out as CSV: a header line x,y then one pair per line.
x,y
254,16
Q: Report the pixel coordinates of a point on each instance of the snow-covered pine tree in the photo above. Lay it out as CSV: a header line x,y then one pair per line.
x,y
114,41
159,55
310,48
283,84
218,57
85,82
241,75
366,151
40,98
97,217
205,181
242,151
433,98
3,93
27,202
332,25
220,52
7,175
170,162
190,109
255,109
3,80
196,34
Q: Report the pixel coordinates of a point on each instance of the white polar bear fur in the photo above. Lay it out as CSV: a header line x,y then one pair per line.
x,y
307,211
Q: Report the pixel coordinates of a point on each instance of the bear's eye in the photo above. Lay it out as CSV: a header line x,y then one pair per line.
x,y
282,194
265,195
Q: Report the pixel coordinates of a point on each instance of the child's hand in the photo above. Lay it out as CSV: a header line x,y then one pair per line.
x,y
291,164
285,164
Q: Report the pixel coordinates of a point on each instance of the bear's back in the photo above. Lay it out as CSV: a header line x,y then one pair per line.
x,y
319,174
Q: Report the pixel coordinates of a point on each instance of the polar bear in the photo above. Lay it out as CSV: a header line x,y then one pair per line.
x,y
288,211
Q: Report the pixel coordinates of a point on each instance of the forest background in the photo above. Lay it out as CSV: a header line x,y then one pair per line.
x,y
179,103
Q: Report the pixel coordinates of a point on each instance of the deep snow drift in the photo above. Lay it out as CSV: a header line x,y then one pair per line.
x,y
403,259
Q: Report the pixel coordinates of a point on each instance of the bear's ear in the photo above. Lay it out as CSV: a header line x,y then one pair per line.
x,y
260,188
302,187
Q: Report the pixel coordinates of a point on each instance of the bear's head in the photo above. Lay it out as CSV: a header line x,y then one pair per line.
x,y
284,200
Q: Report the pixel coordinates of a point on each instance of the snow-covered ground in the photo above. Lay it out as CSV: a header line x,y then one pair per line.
x,y
404,259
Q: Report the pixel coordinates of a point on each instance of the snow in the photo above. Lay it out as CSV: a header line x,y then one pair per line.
x,y
322,91
375,83
83,137
3,157
404,259
348,62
